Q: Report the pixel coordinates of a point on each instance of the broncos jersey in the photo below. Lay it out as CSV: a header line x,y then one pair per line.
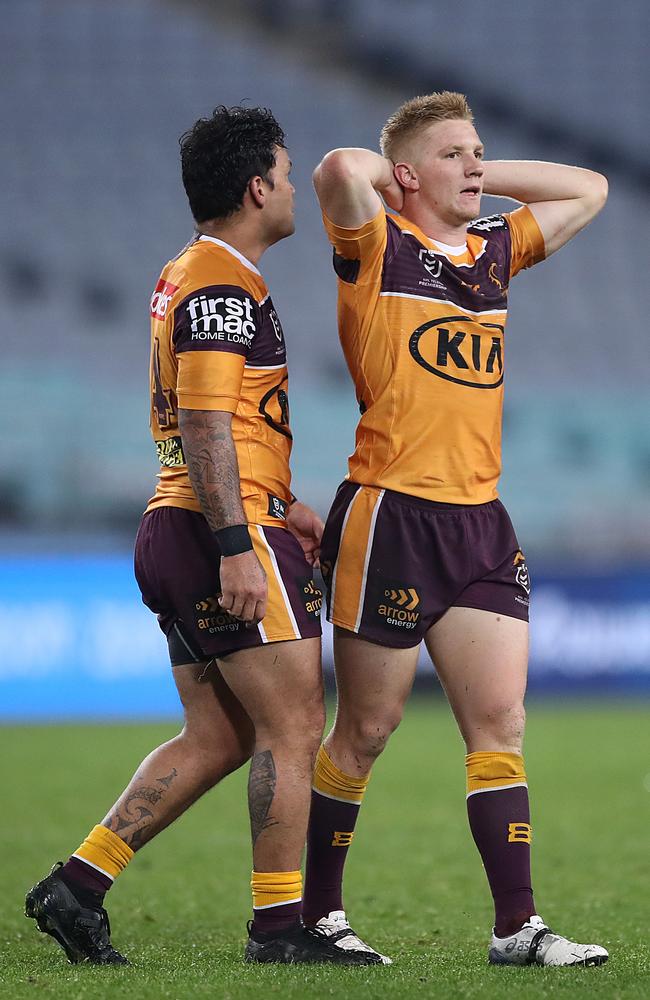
x,y
217,344
422,328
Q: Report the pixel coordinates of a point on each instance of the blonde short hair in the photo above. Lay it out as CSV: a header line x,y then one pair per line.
x,y
419,112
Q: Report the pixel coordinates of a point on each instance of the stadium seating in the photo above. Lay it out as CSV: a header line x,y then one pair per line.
x,y
92,206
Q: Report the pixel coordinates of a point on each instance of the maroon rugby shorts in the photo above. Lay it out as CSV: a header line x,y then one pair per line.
x,y
177,569
393,564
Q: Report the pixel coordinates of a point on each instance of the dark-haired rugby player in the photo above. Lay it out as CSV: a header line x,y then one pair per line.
x,y
223,557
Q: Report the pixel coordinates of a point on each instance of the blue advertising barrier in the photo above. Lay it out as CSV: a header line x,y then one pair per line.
x,y
76,640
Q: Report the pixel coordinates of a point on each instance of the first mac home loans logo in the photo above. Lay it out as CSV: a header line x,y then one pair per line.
x,y
222,317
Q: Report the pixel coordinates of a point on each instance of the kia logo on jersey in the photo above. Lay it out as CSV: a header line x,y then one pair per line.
x,y
460,349
161,298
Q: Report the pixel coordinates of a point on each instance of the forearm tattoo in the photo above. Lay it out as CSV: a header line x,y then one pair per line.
x,y
261,789
212,465
131,818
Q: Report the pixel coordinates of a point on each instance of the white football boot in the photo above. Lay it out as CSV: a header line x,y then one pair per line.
x,y
335,925
536,944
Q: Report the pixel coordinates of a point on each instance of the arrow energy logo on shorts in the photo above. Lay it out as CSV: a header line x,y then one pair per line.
x,y
398,607
211,617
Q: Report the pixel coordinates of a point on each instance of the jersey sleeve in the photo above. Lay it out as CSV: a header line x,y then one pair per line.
x,y
214,329
358,253
527,241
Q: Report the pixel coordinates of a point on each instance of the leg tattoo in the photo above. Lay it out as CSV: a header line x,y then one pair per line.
x,y
261,789
130,819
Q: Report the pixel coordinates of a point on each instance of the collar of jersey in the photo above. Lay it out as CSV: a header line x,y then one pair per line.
x,y
462,255
226,246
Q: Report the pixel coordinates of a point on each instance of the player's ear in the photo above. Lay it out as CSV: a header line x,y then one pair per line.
x,y
406,176
257,191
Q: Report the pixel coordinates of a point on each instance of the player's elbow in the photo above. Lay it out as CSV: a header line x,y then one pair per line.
x,y
596,195
335,169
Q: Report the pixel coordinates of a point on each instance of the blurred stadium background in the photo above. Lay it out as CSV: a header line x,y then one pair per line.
x,y
95,96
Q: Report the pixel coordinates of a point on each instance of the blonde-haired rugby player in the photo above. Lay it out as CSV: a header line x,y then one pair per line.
x,y
417,546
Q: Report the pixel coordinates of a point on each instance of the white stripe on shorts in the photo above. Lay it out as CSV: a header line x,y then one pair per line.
x,y
364,579
283,590
343,527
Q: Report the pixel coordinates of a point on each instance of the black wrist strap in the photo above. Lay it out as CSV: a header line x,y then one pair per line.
x,y
233,540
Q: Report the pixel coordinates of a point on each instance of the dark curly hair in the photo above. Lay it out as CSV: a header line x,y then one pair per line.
x,y
219,155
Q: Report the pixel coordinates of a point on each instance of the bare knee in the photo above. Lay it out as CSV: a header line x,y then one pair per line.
x,y
297,732
305,733
499,726
366,736
215,753
314,729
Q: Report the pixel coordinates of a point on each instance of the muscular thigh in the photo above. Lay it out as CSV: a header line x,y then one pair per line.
x,y
372,681
280,684
213,714
482,659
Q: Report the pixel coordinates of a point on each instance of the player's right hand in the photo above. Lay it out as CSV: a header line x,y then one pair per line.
x,y
244,589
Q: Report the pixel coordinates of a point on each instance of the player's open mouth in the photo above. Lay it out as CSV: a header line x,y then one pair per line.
x,y
471,190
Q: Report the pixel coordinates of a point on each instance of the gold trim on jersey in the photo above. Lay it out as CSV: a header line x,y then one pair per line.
x,y
447,303
357,535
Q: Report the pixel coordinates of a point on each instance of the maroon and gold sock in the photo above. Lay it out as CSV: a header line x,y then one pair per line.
x,y
335,801
95,865
277,900
499,818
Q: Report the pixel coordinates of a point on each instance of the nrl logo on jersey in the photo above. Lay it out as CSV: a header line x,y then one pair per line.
x,y
277,326
431,262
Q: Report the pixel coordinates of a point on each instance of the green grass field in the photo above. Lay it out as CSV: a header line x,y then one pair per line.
x,y
415,885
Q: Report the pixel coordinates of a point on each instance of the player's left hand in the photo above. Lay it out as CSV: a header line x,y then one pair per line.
x,y
305,525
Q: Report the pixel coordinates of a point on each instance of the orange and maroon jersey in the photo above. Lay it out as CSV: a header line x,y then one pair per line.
x,y
422,328
217,344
